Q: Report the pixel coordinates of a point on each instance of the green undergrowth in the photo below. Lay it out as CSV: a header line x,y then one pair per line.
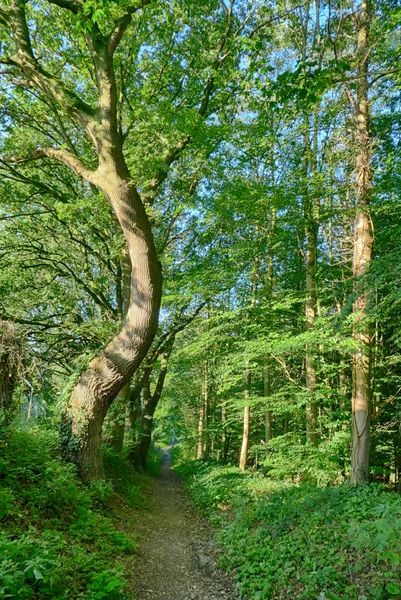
x,y
288,541
58,538
153,463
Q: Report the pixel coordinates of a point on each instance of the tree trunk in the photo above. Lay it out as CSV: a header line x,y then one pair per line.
x,y
266,393
150,402
245,439
145,434
269,294
9,359
122,400
247,422
106,374
310,313
224,440
201,425
363,246
205,396
111,370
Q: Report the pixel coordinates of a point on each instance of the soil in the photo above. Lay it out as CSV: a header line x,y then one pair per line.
x,y
177,557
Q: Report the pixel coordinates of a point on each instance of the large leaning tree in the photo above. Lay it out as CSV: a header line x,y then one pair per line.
x,y
80,61
108,372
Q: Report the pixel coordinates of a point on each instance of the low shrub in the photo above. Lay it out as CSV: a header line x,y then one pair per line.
x,y
55,538
301,541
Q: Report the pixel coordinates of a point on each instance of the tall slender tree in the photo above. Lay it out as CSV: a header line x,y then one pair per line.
x,y
363,246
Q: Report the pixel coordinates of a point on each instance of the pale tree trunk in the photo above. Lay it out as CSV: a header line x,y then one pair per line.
x,y
205,395
247,422
202,446
363,246
245,439
224,441
266,393
123,398
310,313
247,393
201,425
346,253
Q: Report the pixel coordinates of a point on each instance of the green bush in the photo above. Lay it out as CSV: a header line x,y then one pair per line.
x,y
301,541
125,480
154,461
55,541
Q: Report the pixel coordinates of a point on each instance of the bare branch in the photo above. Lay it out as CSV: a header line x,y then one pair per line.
x,y
4,18
8,60
224,6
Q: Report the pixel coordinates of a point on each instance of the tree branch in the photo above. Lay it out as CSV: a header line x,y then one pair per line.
x,y
68,159
276,18
121,25
37,77
4,18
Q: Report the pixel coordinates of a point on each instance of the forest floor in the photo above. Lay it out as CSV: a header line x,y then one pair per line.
x,y
177,557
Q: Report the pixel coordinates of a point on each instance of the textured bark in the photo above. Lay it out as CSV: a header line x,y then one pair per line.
x,y
109,372
119,415
9,360
122,400
363,247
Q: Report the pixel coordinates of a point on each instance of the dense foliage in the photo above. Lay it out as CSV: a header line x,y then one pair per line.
x,y
289,541
200,241
60,539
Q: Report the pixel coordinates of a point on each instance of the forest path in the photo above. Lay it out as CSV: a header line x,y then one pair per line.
x,y
177,554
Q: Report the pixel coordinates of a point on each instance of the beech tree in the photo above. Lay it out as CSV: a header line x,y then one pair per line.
x,y
363,247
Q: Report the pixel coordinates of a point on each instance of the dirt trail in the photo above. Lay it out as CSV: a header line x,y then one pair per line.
x,y
177,554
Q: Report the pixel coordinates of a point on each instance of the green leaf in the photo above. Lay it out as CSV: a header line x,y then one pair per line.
x,y
37,574
392,557
393,588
